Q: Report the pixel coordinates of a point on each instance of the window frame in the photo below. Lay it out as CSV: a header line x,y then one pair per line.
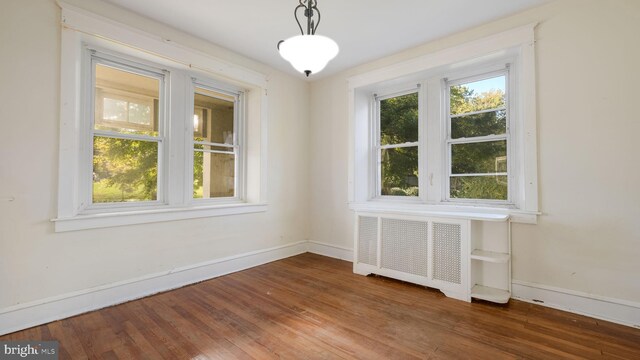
x,y
238,138
378,147
478,75
94,56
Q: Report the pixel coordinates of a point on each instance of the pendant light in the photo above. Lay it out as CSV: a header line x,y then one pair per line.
x,y
308,53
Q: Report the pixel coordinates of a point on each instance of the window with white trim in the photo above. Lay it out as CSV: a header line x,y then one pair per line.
x,y
470,144
216,151
149,132
477,123
128,139
475,118
396,147
126,132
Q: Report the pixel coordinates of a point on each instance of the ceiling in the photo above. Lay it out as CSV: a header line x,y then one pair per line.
x,y
365,30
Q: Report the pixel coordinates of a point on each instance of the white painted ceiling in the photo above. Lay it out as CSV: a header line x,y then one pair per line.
x,y
365,30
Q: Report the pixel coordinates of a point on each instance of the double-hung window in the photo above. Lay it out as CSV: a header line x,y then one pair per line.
x,y
126,121
151,131
397,144
477,140
128,137
216,152
476,119
463,140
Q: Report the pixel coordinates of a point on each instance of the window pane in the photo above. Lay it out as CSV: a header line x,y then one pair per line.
x,y
399,119
140,113
124,170
400,171
479,187
213,117
479,158
489,123
114,110
126,102
479,95
213,175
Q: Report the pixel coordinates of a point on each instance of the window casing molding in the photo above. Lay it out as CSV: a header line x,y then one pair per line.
x,y
512,52
82,33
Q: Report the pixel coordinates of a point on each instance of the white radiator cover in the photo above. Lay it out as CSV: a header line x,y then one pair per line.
x,y
429,251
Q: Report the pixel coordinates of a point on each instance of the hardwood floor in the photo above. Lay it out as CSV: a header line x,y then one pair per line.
x,y
314,307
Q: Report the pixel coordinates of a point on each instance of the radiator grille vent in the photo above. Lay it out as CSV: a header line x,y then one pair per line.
x,y
368,240
404,246
446,252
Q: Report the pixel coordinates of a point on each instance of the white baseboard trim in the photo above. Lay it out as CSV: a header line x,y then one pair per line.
x,y
614,310
23,316
329,250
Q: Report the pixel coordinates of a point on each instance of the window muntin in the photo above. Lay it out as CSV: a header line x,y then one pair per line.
x,y
126,139
478,138
215,149
397,144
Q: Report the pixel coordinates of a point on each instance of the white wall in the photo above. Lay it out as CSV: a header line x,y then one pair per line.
x,y
35,262
588,239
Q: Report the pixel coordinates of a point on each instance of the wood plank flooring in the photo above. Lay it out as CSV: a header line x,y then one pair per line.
x,y
314,307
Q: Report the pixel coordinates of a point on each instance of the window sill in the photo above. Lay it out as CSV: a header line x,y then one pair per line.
x,y
448,211
111,219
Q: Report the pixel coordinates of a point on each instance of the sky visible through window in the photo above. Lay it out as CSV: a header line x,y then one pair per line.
x,y
479,87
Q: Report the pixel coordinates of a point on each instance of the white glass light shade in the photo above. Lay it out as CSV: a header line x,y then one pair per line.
x,y
308,52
